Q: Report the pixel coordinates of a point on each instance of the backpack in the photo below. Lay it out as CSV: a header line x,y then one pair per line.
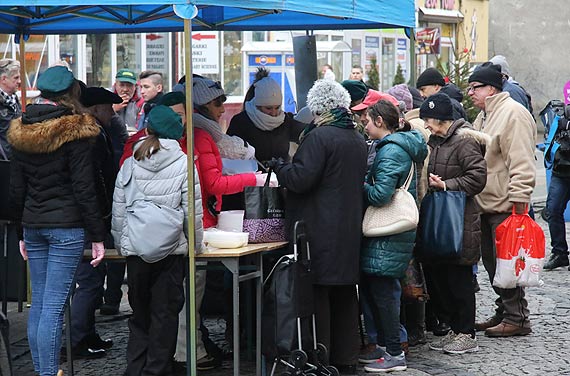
x,y
154,230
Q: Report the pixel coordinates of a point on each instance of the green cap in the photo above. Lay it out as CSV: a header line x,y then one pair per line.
x,y
55,81
126,75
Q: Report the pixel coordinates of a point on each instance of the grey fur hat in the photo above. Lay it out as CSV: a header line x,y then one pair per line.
x,y
327,95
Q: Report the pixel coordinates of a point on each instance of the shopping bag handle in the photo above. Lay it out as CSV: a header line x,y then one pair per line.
x,y
525,209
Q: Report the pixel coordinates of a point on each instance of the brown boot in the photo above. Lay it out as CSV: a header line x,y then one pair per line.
x,y
493,321
507,330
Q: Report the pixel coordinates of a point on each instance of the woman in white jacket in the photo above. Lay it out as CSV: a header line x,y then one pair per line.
x,y
158,167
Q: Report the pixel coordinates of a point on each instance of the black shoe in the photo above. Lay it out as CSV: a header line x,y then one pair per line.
x,y
417,339
441,329
82,353
556,260
208,363
109,309
95,342
179,368
476,287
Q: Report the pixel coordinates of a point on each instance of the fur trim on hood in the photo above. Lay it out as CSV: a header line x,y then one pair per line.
x,y
49,135
480,137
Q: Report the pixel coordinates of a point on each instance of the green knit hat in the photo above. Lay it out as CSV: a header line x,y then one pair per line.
x,y
172,98
356,89
165,123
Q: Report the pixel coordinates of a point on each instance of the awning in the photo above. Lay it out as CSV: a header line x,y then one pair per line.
x,y
269,47
440,15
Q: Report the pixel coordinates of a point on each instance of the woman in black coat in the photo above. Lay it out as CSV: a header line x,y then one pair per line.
x,y
324,183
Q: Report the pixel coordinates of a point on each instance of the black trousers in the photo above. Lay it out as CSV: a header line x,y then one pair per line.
x,y
453,290
336,314
156,296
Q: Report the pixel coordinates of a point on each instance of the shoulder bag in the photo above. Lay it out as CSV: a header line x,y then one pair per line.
x,y
399,215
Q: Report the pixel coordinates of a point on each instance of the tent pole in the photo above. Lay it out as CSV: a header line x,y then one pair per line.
x,y
23,73
191,281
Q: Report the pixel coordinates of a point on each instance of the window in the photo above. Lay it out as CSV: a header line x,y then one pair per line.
x,y
232,63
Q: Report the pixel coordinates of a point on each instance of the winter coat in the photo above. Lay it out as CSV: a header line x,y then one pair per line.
x,y
128,115
457,158
517,93
510,144
413,117
7,113
52,179
389,256
267,144
162,178
324,188
213,183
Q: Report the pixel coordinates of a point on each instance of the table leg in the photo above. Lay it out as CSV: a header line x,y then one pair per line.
x,y
259,301
5,272
68,336
233,267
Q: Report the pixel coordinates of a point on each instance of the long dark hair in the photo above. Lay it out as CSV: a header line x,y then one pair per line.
x,y
262,72
391,116
149,146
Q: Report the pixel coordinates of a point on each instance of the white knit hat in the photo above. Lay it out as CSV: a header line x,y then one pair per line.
x,y
327,95
205,90
267,92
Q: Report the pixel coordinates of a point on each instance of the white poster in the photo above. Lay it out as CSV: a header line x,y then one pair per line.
x,y
206,52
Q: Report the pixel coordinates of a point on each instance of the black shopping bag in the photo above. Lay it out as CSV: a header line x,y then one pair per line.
x,y
288,299
264,217
440,230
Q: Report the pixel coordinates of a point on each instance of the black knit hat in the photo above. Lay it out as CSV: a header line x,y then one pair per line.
x,y
430,76
488,75
417,98
437,106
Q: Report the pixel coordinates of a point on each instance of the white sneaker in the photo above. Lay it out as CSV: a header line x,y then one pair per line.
x,y
461,344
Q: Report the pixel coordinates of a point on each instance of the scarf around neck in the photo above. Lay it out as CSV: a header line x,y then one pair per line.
x,y
339,117
209,125
261,120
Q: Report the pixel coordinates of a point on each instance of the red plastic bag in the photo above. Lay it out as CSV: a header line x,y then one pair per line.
x,y
520,245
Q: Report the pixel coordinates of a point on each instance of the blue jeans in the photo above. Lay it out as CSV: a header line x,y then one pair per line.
x,y
558,197
53,256
384,298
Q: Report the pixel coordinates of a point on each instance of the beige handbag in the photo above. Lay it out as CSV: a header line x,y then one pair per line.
x,y
399,215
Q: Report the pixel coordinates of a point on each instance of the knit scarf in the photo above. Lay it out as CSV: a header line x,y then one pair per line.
x,y
10,100
261,120
209,125
339,117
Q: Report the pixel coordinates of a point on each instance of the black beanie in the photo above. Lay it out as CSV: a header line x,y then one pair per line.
x,y
430,76
437,106
488,75
417,98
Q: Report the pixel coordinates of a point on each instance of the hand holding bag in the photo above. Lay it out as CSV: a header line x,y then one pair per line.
x,y
399,215
264,217
414,288
520,249
440,231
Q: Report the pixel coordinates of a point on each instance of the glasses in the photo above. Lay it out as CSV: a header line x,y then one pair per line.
x,y
6,63
216,85
474,87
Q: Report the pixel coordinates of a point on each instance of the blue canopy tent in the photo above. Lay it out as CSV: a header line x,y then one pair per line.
x,y
41,17
26,17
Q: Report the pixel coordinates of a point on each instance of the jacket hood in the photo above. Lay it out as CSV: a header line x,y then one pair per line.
x,y
412,142
45,128
164,157
453,91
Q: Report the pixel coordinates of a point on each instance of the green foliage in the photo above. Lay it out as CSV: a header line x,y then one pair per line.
x,y
373,75
458,73
399,77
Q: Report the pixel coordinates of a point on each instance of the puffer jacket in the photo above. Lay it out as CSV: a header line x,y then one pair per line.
x,y
388,256
52,180
458,159
163,178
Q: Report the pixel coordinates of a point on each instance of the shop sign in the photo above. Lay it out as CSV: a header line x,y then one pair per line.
x,y
265,60
441,4
428,40
157,52
205,52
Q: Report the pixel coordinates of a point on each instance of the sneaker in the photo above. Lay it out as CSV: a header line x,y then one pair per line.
x,y
438,345
368,355
208,362
556,260
461,344
388,363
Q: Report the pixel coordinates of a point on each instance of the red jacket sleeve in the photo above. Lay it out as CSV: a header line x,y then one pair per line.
x,y
210,165
131,141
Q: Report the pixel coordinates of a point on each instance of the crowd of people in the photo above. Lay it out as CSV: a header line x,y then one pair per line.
x,y
76,173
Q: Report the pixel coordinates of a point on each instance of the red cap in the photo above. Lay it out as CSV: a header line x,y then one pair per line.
x,y
372,98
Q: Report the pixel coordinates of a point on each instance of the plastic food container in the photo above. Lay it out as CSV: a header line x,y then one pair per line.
x,y
225,239
231,220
